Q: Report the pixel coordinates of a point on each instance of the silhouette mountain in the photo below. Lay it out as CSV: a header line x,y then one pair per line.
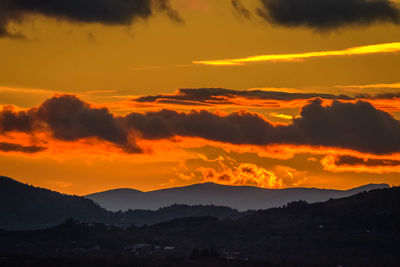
x,y
27,207
236,197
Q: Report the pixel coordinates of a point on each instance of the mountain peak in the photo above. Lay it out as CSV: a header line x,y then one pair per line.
x,y
371,186
40,207
117,191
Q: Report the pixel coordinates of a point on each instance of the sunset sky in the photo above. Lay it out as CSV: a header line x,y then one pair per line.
x,y
151,94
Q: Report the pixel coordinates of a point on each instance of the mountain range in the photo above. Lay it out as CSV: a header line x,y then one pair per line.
x,y
24,206
237,197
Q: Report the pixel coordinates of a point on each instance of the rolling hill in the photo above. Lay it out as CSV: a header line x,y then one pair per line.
x,y
27,207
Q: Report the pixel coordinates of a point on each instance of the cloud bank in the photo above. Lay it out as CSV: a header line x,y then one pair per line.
x,y
356,126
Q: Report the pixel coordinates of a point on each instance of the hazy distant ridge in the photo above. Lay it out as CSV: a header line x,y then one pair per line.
x,y
237,197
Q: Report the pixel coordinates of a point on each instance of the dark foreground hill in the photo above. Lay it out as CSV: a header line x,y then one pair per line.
x,y
362,230
27,207
236,197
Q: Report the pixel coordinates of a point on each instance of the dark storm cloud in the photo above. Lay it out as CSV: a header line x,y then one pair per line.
x,y
328,14
358,126
222,96
111,12
68,119
235,128
11,147
71,119
10,120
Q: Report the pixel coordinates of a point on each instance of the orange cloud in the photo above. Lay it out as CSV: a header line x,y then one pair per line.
x,y
358,50
228,171
370,86
244,174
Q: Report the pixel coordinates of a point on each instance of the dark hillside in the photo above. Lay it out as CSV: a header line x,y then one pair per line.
x,y
27,207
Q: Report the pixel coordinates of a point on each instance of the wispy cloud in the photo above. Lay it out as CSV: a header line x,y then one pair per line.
x,y
358,50
377,85
100,92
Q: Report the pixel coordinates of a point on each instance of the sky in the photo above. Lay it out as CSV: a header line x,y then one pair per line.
x,y
152,94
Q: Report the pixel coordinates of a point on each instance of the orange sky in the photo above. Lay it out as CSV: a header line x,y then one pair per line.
x,y
109,66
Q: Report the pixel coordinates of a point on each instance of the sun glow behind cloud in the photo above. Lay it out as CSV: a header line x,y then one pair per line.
x,y
358,50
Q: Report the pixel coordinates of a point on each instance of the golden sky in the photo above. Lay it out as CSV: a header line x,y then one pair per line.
x,y
120,74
